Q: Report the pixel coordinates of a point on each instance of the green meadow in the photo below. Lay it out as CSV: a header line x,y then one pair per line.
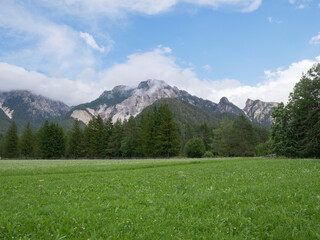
x,y
240,198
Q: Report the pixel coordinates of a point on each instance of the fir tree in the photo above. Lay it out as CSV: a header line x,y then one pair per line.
x,y
129,141
11,142
75,141
27,142
51,141
114,145
167,142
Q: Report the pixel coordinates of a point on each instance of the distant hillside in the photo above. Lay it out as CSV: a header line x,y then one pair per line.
x,y
24,106
185,113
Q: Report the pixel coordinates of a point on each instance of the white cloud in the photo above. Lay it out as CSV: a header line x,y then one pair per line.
x,y
156,64
47,47
301,4
116,8
272,20
315,39
91,42
63,89
207,67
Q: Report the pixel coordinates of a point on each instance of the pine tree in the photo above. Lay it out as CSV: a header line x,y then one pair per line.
x,y
242,137
167,142
1,144
296,131
51,141
114,146
222,138
94,138
11,142
75,141
27,142
146,141
129,141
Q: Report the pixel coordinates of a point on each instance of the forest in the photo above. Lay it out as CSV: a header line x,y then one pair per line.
x,y
295,132
154,135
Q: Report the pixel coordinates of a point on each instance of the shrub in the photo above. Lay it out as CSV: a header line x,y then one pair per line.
x,y
208,154
194,148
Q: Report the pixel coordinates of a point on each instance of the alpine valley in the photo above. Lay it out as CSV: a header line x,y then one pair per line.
x,y
122,102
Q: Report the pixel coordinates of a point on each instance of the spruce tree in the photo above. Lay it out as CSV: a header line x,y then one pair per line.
x,y
94,138
75,141
51,141
114,145
167,142
27,142
296,127
11,142
129,141
1,144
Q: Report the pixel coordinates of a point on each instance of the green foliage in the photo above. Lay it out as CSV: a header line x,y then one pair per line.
x,y
208,154
157,134
167,142
11,142
129,142
194,148
114,145
76,141
27,142
222,138
1,144
94,137
51,141
296,130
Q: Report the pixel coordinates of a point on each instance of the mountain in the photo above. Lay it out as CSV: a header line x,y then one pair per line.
x,y
259,111
122,102
24,106
185,113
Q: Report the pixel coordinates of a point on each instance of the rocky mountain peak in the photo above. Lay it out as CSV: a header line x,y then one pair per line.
x,y
224,100
260,111
152,84
120,88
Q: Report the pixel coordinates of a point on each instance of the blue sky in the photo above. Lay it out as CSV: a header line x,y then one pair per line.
x,y
72,50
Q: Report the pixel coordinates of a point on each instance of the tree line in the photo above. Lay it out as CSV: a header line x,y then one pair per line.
x,y
296,126
153,135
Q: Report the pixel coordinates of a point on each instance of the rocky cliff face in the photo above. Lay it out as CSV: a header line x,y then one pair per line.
x,y
259,111
24,106
119,103
123,102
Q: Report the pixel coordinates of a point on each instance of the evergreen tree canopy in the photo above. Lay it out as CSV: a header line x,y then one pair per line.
x,y
76,141
51,141
27,142
11,142
296,127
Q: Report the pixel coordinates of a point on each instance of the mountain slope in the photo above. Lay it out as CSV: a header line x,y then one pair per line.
x,y
185,113
122,101
259,111
24,106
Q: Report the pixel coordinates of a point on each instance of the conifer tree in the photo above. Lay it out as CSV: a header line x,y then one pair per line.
x,y
11,142
27,142
167,142
129,141
51,141
1,144
76,141
296,127
93,136
114,145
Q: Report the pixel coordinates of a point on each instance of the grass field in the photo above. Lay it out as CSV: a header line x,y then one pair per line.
x,y
160,199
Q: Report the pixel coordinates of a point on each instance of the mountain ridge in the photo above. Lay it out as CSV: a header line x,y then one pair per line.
x,y
119,103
